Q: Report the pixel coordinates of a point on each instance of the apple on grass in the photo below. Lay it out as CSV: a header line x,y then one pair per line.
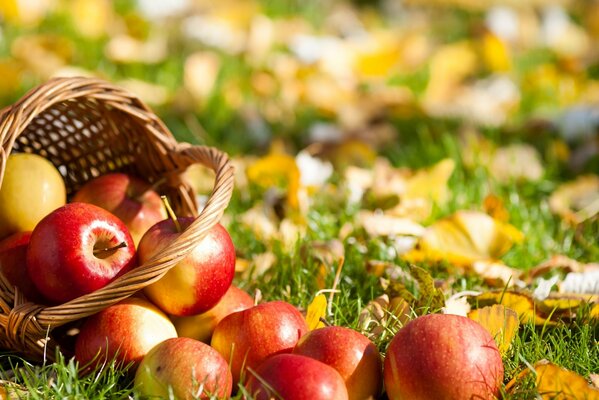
x,y
184,368
444,357
129,198
246,338
30,189
13,254
352,354
76,249
201,279
200,327
295,377
125,331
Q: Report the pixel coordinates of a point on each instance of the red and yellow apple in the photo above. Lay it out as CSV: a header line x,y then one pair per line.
x,y
445,357
130,198
352,354
184,368
248,337
200,280
200,327
76,249
125,331
30,189
295,377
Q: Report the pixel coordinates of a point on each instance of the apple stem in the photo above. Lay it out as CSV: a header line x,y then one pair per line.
x,y
107,249
171,213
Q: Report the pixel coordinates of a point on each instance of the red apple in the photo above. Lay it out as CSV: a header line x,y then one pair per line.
x,y
183,368
125,331
200,280
295,377
131,199
200,327
13,252
352,354
443,356
76,249
246,338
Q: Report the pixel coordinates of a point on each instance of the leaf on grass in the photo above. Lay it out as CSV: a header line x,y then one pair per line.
x,y
379,224
578,200
559,263
496,273
468,236
516,162
554,382
277,170
522,303
501,322
316,310
428,295
494,206
382,314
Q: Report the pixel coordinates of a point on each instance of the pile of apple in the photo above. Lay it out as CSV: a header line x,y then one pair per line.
x,y
192,333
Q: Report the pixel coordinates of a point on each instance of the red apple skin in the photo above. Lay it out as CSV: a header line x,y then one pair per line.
x,y
60,256
296,377
125,331
200,327
200,280
183,364
131,199
445,357
246,338
13,265
352,354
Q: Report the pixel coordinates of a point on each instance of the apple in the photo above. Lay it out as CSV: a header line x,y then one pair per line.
x,y
248,337
183,368
200,327
352,354
30,189
13,252
76,249
200,280
131,199
295,377
443,356
125,331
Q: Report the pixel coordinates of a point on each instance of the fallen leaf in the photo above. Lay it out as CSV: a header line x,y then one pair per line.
x,y
277,170
559,263
127,49
516,162
496,53
91,17
468,236
578,200
379,224
496,273
200,73
382,315
522,303
316,310
581,282
501,322
494,206
554,382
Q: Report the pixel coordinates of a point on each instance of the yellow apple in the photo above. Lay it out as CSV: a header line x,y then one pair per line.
x,y
31,188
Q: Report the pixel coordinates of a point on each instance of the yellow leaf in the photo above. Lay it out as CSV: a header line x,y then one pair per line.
x,y
316,310
277,170
430,183
91,17
469,236
556,383
578,200
521,303
501,322
496,54
495,207
379,57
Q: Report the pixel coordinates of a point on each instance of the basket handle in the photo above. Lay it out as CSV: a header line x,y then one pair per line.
x,y
151,271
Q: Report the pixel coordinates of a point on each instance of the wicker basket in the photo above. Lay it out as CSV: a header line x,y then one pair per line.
x,y
88,127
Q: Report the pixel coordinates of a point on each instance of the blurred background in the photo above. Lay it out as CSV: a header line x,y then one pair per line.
x,y
239,73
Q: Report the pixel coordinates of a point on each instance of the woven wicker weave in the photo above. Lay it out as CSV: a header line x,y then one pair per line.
x,y
88,127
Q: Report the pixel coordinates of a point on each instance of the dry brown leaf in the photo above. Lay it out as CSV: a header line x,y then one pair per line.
x,y
578,200
381,314
496,273
557,383
501,322
559,263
